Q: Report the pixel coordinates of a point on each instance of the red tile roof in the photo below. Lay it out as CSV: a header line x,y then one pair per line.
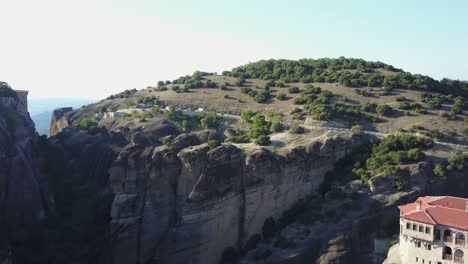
x,y
438,210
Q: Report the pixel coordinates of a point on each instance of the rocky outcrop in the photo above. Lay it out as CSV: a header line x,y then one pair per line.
x,y
187,203
59,120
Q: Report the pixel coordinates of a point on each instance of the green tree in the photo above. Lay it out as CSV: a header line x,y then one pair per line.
x,y
259,126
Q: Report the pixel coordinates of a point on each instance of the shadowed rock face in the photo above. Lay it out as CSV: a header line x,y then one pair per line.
x,y
25,197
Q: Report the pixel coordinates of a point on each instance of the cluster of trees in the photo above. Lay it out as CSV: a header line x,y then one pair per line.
x,y
149,100
6,91
317,103
124,94
390,152
348,72
188,123
195,81
88,124
457,163
259,128
258,96
304,69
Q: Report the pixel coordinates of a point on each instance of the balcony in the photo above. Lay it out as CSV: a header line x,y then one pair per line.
x,y
447,256
448,239
460,241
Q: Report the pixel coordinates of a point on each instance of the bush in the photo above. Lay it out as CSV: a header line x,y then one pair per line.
x,y
247,116
213,144
440,171
357,130
240,82
262,96
296,129
281,96
86,124
294,90
384,110
276,125
401,99
210,120
458,163
263,140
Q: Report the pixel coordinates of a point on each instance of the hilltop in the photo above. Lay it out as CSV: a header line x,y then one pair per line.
x,y
324,92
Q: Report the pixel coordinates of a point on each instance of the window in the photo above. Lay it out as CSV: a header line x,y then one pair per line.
x,y
416,259
408,226
418,244
429,247
423,260
414,227
421,228
428,230
437,234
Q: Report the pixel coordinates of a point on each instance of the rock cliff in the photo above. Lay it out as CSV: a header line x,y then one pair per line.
x,y
187,203
25,196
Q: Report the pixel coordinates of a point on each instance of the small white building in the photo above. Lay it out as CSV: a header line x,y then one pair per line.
x,y
433,230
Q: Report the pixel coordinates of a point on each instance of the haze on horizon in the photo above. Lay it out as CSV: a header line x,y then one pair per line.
x,y
91,49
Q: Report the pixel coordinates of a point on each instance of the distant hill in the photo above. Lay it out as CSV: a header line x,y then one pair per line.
x,y
41,110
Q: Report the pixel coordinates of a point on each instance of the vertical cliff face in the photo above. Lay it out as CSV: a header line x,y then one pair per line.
x,y
186,205
59,120
24,194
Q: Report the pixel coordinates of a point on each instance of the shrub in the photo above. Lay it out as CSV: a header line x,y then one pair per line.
x,y
213,144
247,116
401,99
240,138
276,125
384,110
458,163
440,171
176,88
296,129
294,90
85,124
281,96
357,130
240,82
368,107
262,96
263,140
210,120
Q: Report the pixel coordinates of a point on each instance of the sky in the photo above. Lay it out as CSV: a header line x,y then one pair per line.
x,y
94,48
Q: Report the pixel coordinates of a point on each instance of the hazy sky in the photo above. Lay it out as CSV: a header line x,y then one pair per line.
x,y
93,48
